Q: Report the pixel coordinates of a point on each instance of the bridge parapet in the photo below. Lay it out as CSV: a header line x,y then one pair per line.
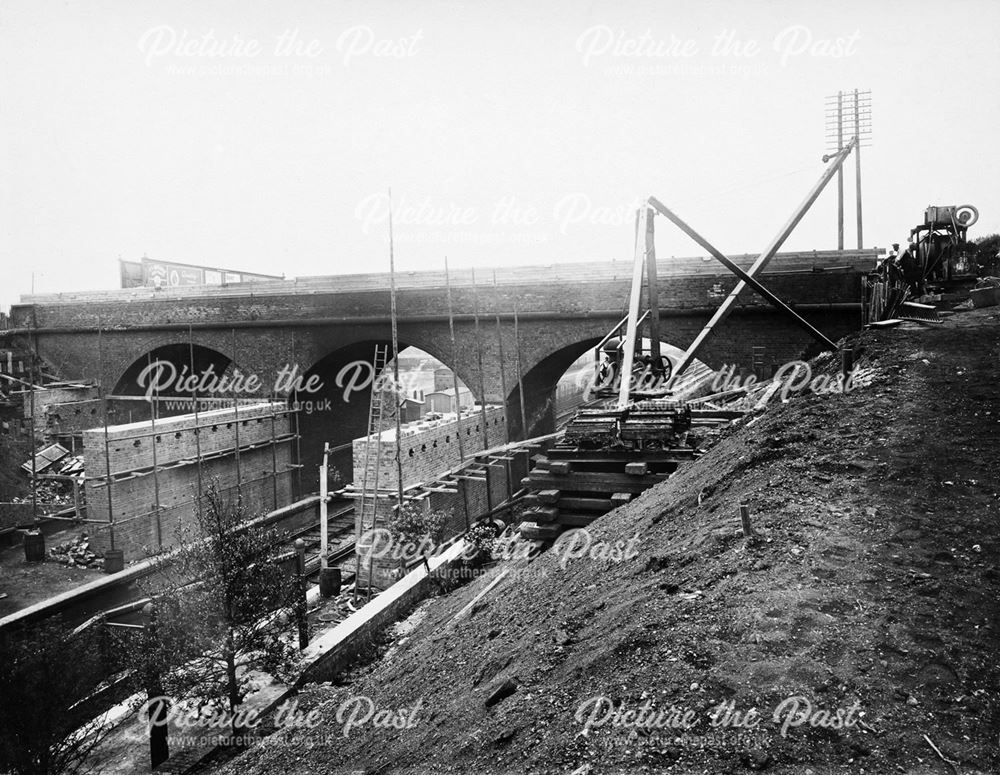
x,y
575,272
577,289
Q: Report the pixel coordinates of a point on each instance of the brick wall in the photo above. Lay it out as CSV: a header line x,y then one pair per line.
x,y
428,451
136,492
71,417
473,499
45,399
131,446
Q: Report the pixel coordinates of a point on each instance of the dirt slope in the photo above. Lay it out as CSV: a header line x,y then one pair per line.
x,y
874,584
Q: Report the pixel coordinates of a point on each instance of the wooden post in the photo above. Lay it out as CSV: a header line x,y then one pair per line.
x,y
107,444
840,172
847,361
857,166
503,375
393,318
454,361
301,610
745,519
323,510
236,424
479,360
274,453
197,422
625,387
154,405
503,380
157,707
653,292
520,374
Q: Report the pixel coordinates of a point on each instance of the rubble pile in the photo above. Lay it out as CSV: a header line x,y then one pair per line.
x,y
49,493
76,553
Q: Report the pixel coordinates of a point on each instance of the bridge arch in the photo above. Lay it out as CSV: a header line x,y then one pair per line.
x,y
164,368
334,396
541,381
164,371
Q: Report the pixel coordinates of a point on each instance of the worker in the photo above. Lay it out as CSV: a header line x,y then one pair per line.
x,y
893,252
910,268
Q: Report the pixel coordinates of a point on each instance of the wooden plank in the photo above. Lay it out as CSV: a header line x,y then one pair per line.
x,y
718,396
571,519
593,482
620,498
535,531
890,323
771,390
542,513
925,321
618,466
559,467
636,469
716,414
676,455
585,504
548,496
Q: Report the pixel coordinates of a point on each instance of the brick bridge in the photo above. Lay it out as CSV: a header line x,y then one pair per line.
x,y
322,324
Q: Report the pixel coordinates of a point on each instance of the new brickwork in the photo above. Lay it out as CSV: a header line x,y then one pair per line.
x,y
252,448
427,455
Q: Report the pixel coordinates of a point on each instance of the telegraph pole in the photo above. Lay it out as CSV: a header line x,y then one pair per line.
x,y
840,172
857,165
848,114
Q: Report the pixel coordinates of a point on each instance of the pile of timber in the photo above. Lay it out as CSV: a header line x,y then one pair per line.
x,y
572,486
658,423
575,481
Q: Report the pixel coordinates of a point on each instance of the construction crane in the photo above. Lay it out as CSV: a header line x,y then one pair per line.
x,y
643,415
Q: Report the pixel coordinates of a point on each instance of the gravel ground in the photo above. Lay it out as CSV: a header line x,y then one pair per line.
x,y
870,589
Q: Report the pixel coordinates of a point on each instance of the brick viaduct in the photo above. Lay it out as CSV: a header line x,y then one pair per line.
x,y
323,324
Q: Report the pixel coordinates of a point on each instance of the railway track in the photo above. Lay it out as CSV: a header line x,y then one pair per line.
x,y
564,415
340,537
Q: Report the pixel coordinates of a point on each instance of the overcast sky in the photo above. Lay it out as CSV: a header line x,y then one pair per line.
x,y
263,136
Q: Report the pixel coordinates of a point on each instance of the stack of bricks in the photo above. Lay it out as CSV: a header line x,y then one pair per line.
x,y
251,449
